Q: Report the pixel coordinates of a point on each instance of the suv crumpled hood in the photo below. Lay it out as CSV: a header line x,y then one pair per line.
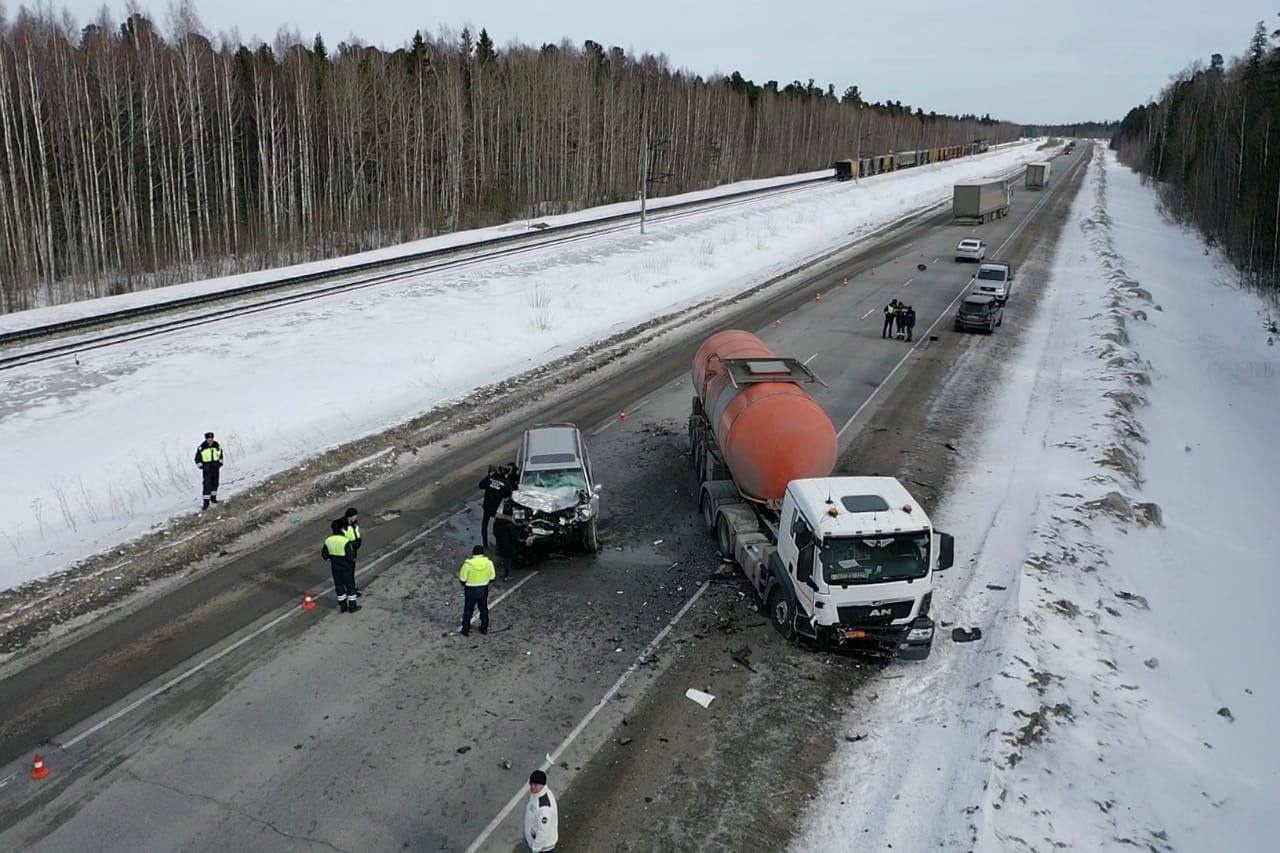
x,y
547,500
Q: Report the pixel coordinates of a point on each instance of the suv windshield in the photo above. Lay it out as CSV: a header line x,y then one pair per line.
x,y
554,479
990,274
874,559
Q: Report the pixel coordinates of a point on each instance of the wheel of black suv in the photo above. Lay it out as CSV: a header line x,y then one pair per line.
x,y
782,613
591,538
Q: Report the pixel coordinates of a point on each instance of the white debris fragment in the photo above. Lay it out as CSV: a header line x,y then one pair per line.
x,y
703,699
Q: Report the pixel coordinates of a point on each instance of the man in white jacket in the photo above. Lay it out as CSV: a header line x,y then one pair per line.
x,y
541,819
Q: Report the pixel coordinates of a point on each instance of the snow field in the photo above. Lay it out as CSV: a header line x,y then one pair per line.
x,y
1122,497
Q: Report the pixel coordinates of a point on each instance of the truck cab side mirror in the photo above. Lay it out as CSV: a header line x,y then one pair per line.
x,y
946,551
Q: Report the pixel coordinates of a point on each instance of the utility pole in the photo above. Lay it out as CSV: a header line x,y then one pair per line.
x,y
644,177
858,165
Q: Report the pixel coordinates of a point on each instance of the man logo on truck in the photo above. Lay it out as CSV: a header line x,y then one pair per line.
x,y
884,611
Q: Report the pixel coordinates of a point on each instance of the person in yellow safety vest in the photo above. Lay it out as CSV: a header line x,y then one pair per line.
x,y
209,461
351,530
476,575
890,312
340,553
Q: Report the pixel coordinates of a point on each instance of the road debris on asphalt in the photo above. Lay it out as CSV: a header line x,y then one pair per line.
x,y
703,699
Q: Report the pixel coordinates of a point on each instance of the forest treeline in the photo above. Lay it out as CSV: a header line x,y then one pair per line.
x,y
1208,140
131,157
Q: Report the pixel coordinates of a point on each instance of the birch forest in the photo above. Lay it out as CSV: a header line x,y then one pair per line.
x,y
134,155
1208,141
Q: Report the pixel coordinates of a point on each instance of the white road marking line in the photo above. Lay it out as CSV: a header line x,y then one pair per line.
x,y
908,281
935,260
875,391
809,359
524,580
868,314
259,631
585,721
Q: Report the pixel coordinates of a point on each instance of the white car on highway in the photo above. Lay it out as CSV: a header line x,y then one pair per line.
x,y
971,249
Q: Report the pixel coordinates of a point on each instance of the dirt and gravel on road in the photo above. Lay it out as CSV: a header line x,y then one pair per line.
x,y
739,774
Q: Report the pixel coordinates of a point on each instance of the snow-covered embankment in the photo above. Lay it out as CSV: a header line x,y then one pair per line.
x,y
1114,530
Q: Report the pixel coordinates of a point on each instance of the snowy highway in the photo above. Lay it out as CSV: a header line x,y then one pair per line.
x,y
223,717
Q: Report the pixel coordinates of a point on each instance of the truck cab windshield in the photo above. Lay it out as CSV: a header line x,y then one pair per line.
x,y
875,559
991,274
554,479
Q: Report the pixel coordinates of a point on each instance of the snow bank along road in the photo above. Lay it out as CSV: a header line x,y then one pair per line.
x,y
377,731
1117,511
282,386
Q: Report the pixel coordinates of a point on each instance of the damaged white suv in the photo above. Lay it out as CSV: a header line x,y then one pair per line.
x,y
557,501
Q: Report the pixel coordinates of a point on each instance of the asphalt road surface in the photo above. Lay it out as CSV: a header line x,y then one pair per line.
x,y
224,718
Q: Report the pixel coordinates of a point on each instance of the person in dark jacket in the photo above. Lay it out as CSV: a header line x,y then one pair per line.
x,y
340,553
909,321
889,311
351,530
209,461
504,539
496,488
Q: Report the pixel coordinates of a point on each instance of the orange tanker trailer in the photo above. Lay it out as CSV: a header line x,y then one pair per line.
x,y
847,562
768,428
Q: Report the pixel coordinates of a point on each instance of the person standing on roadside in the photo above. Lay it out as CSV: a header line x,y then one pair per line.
x,y
541,817
340,553
496,488
504,540
351,530
209,461
909,321
889,311
475,576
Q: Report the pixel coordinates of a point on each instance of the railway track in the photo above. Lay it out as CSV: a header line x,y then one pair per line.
x,y
383,272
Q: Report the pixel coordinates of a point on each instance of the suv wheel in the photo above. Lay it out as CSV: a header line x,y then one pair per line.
x,y
590,537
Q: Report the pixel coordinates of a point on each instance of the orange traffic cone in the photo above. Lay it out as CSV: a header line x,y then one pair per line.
x,y
622,416
38,770
308,603
845,283
819,297
777,323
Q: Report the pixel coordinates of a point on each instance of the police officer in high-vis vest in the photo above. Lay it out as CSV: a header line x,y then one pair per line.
x,y
209,461
351,530
340,552
476,575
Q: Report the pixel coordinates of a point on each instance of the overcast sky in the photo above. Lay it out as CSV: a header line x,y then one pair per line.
x,y
1024,60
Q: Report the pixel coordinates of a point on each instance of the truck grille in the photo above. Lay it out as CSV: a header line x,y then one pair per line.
x,y
866,614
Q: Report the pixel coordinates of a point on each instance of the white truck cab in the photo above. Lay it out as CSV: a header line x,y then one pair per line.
x,y
851,565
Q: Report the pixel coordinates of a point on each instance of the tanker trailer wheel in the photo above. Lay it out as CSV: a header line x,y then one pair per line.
x,y
708,507
591,538
724,537
782,613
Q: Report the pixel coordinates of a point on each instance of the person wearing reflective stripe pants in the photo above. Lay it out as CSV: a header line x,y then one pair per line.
x,y
340,553
351,530
209,461
475,576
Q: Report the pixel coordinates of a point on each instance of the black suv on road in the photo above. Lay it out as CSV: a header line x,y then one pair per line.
x,y
979,312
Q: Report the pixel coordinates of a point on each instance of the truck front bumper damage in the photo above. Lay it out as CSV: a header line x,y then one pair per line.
x,y
912,641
